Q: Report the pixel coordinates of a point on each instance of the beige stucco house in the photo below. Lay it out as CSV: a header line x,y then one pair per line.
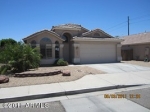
x,y
76,44
136,47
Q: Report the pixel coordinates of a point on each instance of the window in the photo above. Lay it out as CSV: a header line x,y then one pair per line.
x,y
46,48
56,49
33,43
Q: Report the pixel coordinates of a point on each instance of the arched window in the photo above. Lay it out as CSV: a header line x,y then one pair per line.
x,y
46,47
56,49
33,43
96,35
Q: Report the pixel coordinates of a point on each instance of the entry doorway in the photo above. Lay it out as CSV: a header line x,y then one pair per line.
x,y
67,47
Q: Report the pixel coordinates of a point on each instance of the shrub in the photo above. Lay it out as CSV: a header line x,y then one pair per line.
x,y
20,57
4,69
61,62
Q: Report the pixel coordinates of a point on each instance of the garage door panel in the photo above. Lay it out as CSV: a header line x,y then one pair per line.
x,y
97,53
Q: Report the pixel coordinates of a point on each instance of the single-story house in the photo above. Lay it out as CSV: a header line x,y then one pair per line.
x,y
136,47
76,44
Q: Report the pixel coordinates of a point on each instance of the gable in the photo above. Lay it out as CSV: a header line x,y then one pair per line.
x,y
45,33
97,33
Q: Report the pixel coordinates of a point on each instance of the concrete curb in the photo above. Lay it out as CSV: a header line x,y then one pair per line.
x,y
39,96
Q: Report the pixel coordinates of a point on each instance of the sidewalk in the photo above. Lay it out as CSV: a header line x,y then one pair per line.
x,y
88,83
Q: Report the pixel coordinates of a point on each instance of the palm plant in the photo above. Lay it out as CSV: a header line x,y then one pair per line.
x,y
20,57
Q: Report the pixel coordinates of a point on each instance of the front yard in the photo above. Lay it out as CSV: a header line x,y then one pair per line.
x,y
76,73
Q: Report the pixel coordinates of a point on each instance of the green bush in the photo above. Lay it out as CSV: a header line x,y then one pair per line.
x,y
4,42
61,62
20,57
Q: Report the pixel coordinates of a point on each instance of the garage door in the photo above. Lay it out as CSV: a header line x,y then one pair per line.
x,y
97,53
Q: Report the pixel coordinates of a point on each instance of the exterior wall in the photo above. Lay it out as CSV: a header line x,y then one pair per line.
x,y
138,50
76,53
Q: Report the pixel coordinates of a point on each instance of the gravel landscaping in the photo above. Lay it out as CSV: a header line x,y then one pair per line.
x,y
76,73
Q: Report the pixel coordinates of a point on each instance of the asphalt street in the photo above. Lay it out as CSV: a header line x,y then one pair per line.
x,y
144,99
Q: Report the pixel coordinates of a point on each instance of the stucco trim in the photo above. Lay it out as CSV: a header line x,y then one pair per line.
x,y
97,39
43,31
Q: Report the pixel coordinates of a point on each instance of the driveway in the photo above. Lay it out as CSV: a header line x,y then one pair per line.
x,y
118,67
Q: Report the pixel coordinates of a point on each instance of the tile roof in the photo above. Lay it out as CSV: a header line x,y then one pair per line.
x,y
136,39
86,33
70,25
42,32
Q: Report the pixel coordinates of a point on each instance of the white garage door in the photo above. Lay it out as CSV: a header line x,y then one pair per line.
x,y
97,53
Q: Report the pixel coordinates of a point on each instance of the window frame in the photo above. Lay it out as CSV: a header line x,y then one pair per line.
x,y
33,44
46,46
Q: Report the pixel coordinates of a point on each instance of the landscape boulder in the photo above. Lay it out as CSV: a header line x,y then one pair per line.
x,y
66,73
4,79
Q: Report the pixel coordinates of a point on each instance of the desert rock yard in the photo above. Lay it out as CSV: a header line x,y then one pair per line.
x,y
76,73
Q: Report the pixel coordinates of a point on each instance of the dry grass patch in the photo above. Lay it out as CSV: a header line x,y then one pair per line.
x,y
76,73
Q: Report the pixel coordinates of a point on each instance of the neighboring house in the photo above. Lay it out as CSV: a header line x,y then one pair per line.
x,y
76,44
136,47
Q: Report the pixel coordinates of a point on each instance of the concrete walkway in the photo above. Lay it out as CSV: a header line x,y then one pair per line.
x,y
88,83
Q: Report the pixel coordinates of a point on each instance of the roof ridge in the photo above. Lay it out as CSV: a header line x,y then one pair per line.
x,y
69,25
136,34
90,31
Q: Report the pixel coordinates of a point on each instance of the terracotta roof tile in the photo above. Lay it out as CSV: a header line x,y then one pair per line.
x,y
70,25
86,33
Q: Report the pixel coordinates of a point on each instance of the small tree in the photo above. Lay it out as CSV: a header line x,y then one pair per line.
x,y
4,42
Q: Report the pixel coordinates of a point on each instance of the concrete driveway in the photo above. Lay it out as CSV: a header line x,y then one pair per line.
x,y
118,67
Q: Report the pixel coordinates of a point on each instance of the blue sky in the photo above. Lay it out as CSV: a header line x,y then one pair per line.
x,y
21,18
